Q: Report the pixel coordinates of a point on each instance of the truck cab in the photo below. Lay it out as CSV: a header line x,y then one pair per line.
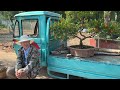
x,y
36,24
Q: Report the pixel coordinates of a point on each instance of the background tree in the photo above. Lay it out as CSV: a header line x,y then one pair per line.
x,y
61,12
7,16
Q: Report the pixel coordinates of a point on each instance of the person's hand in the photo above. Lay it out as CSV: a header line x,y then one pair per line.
x,y
17,74
20,73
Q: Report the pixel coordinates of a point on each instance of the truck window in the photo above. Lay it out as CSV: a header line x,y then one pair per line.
x,y
30,27
51,33
16,30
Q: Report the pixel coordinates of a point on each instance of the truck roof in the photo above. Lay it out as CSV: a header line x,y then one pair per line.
x,y
31,13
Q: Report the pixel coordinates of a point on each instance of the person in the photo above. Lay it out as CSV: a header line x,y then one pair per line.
x,y
28,63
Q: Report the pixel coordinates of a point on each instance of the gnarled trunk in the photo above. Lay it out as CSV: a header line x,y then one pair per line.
x,y
81,44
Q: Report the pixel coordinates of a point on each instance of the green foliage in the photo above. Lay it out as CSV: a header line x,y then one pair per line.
x,y
63,29
112,29
61,12
95,25
2,26
73,24
93,21
8,14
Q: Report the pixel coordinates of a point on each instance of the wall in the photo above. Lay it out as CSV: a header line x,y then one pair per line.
x,y
110,44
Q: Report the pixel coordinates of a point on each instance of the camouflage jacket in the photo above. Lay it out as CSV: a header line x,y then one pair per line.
x,y
33,66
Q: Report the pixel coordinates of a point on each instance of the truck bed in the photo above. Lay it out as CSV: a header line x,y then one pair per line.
x,y
97,67
99,56
109,59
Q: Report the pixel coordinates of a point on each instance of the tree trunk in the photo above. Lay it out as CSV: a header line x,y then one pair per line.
x,y
81,44
107,17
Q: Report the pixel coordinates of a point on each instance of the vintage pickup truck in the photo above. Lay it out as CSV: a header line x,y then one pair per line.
x,y
36,24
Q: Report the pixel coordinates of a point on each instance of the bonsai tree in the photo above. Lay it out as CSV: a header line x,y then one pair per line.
x,y
72,25
77,21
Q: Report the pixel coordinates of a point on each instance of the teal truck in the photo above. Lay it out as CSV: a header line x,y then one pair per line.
x,y
37,24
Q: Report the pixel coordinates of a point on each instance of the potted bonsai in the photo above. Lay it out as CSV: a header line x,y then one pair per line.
x,y
68,28
76,22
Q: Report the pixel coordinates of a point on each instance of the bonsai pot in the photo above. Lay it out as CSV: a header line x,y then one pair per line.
x,y
84,52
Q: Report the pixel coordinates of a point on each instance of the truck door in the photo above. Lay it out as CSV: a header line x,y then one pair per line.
x,y
16,35
28,27
51,42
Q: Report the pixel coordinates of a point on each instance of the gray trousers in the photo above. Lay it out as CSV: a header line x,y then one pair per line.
x,y
11,73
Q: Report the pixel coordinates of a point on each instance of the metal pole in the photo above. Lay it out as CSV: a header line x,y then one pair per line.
x,y
98,41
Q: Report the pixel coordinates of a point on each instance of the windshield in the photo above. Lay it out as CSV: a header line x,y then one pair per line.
x,y
30,27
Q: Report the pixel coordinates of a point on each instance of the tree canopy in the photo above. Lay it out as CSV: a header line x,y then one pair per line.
x,y
8,14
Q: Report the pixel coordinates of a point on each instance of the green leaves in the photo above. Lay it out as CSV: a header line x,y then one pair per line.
x,y
64,29
93,21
